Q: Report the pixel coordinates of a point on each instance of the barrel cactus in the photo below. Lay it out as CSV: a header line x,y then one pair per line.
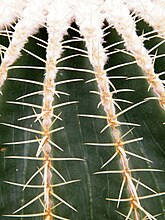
x,y
82,109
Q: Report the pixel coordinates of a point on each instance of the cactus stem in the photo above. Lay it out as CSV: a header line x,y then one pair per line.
x,y
57,17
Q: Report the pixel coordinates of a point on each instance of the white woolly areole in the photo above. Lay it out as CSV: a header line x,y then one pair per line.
x,y
10,10
153,12
28,25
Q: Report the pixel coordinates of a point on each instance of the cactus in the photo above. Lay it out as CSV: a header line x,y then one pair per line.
x,y
82,109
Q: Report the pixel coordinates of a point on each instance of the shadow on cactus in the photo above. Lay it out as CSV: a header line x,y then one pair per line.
x,y
82,109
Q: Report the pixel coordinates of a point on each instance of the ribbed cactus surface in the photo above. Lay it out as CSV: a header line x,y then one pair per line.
x,y
82,109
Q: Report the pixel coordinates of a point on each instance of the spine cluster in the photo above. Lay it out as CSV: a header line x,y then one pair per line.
x,y
11,10
57,25
27,26
125,25
151,11
90,27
